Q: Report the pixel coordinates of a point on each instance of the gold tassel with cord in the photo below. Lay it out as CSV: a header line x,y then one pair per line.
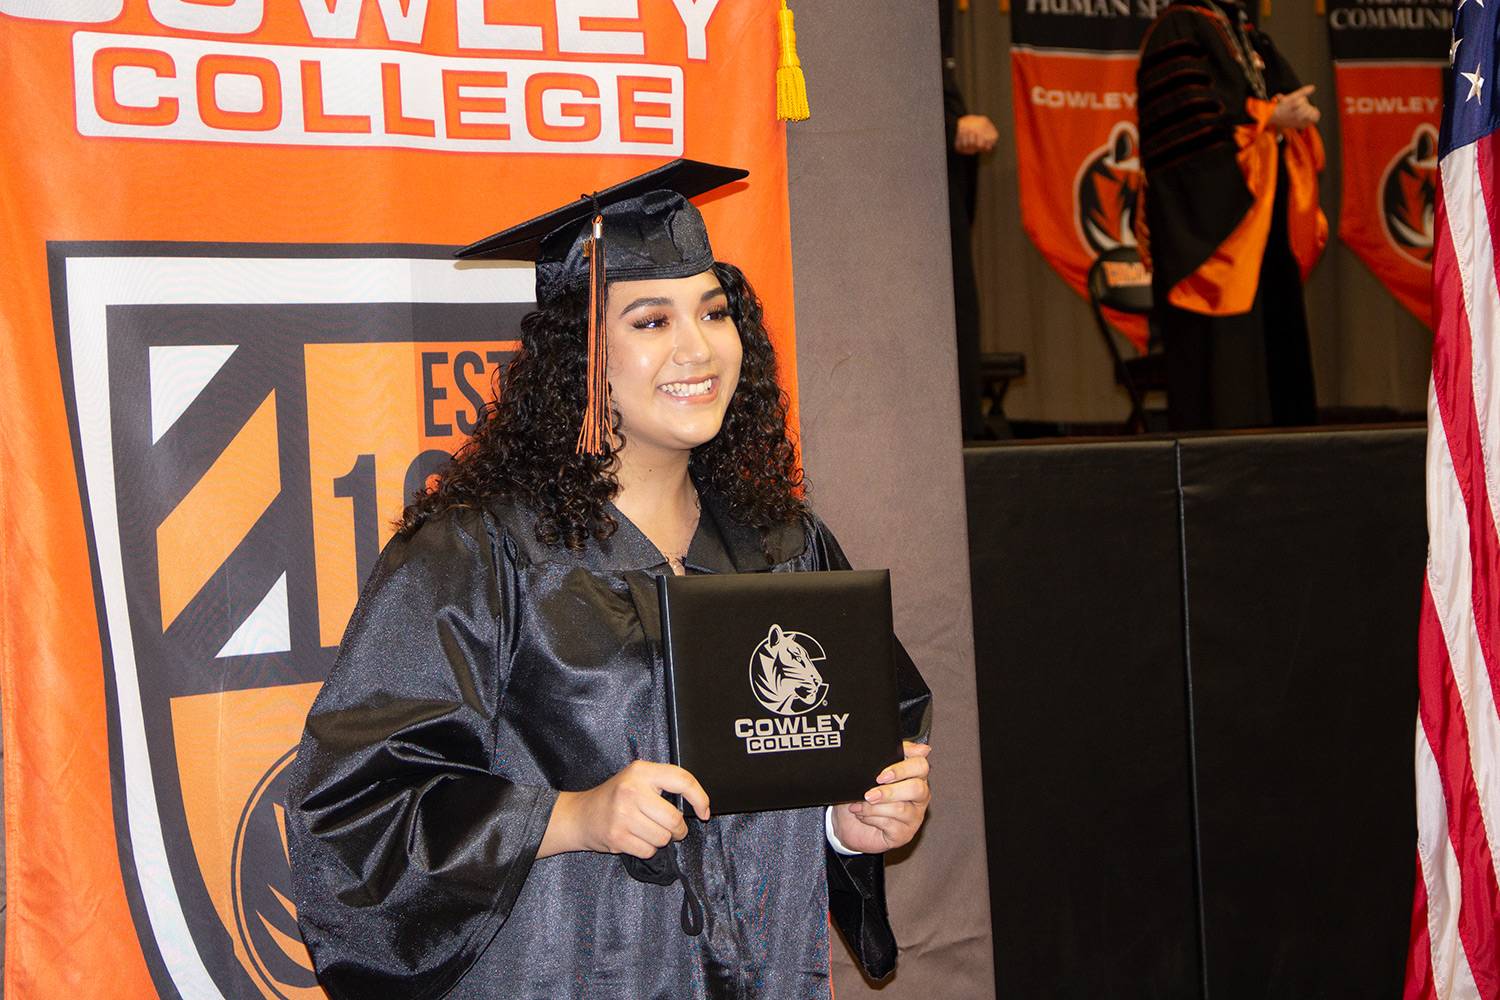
x,y
1265,8
791,85
596,408
1005,6
1320,8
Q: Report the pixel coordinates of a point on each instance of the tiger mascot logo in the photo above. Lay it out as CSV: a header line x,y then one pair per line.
x,y
1108,191
261,880
783,674
1408,196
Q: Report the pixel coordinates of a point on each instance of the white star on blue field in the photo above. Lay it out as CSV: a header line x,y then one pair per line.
x,y
1470,110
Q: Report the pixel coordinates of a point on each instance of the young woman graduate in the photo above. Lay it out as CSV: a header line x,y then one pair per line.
x,y
476,808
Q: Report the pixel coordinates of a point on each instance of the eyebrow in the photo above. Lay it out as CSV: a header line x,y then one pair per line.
x,y
657,301
662,301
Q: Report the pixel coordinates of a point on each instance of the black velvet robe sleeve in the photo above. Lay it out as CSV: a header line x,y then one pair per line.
x,y
954,106
856,882
407,849
1281,78
1191,98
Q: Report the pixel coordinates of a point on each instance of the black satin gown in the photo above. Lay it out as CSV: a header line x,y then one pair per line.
x,y
481,673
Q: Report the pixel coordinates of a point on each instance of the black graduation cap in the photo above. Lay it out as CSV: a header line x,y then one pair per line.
x,y
644,227
651,230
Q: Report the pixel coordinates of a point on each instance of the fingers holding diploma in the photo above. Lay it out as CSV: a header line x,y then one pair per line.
x,y
893,810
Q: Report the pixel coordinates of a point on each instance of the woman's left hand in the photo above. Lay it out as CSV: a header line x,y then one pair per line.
x,y
892,811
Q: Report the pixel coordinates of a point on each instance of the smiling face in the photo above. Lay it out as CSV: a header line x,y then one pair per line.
x,y
674,360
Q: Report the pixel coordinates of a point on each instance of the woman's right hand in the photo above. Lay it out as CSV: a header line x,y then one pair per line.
x,y
626,814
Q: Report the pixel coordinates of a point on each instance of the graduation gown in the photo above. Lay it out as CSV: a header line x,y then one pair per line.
x,y
1232,224
481,673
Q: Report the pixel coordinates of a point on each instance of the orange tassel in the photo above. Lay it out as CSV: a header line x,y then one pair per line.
x,y
596,410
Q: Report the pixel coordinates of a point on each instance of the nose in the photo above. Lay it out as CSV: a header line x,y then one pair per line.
x,y
691,346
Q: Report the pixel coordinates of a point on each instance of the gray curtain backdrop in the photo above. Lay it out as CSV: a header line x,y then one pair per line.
x,y
876,364
1367,350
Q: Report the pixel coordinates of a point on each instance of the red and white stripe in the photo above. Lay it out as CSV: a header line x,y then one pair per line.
x,y
1455,942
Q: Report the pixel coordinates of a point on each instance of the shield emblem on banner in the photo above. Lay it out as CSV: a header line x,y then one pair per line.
x,y
247,424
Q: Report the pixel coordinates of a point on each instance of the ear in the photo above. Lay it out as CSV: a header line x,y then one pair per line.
x,y
774,637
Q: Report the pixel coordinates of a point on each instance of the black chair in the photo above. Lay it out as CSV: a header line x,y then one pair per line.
x,y
1120,281
995,373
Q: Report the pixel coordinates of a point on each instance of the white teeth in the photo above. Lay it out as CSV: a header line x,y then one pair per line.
x,y
685,389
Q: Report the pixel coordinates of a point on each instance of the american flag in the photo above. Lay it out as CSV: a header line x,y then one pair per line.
x,y
1455,935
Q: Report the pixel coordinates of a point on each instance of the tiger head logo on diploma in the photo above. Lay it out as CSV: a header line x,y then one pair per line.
x,y
783,675
785,679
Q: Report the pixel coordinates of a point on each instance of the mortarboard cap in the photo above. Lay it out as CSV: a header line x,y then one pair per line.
x,y
641,228
651,230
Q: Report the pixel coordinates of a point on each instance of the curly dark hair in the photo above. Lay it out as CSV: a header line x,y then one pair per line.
x,y
522,450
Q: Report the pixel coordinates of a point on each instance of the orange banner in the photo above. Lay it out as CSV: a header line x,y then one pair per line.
x,y
236,341
1079,159
1080,172
1388,128
1388,65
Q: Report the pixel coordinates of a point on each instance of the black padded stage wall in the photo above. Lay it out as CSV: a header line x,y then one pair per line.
x,y
1083,734
1197,693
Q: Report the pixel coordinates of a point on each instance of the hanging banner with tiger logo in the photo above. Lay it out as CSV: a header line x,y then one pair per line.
x,y
1388,68
1073,79
236,342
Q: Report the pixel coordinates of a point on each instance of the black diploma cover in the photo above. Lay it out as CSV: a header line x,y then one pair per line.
x,y
781,687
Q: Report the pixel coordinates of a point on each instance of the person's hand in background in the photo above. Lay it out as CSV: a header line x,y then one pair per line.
x,y
1293,110
975,134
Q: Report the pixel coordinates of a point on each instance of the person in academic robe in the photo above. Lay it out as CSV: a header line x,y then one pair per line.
x,y
477,806
967,136
1231,224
